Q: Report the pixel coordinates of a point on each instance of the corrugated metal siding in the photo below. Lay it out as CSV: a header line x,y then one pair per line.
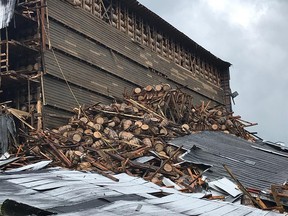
x,y
100,56
76,193
92,53
100,62
85,76
92,27
52,117
98,80
268,168
59,100
120,43
57,94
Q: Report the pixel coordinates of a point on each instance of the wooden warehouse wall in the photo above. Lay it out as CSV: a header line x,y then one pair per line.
x,y
99,60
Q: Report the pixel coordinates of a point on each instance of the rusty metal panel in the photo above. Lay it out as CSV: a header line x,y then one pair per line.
x,y
75,42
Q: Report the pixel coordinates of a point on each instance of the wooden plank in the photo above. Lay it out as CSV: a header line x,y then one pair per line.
x,y
243,189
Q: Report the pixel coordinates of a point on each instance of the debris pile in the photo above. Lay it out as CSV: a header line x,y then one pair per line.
x,y
132,137
178,107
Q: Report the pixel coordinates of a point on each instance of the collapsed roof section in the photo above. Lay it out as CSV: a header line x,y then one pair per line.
x,y
256,165
80,193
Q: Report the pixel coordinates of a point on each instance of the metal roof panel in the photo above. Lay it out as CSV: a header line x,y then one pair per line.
x,y
217,148
83,193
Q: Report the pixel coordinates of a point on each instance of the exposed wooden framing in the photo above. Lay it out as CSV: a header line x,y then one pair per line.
x,y
206,71
142,32
149,36
190,64
1,55
243,189
194,65
178,54
42,19
278,192
29,98
23,96
173,51
7,49
198,63
111,12
93,7
107,14
165,162
97,7
118,9
154,38
101,4
182,57
226,87
161,45
4,54
126,21
115,13
183,51
134,26
39,110
201,68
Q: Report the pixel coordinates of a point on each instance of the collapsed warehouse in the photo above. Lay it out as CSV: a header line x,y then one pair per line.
x,y
99,52
64,62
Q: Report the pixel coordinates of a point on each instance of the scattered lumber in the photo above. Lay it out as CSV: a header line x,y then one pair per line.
x,y
132,136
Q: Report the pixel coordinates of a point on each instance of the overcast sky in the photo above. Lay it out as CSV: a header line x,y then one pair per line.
x,y
253,36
